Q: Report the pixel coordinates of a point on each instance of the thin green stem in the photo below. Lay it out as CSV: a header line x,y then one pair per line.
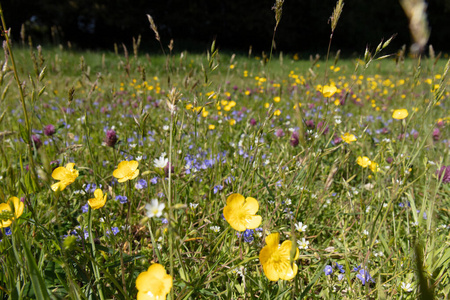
x,y
94,265
169,203
22,96
130,235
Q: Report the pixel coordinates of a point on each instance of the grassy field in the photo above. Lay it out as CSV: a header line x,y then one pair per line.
x,y
209,162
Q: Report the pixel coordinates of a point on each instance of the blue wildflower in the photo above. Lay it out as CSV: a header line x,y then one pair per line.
x,y
141,184
218,188
340,267
356,269
364,276
122,199
247,234
85,208
114,230
328,270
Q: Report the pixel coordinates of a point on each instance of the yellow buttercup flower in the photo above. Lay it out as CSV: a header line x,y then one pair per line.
x,y
329,90
400,114
348,138
240,212
66,175
275,258
99,200
126,170
7,209
374,167
363,161
154,283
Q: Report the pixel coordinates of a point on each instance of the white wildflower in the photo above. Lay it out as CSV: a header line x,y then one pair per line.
x,y
154,209
303,244
300,227
160,162
407,287
215,228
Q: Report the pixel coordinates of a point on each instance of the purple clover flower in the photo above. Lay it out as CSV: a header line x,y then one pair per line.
x,y
294,139
111,138
36,141
49,130
444,174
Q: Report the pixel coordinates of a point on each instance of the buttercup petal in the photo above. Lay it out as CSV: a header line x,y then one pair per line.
x,y
235,199
133,175
18,206
265,255
5,223
157,270
251,205
144,296
120,172
98,194
273,239
58,186
154,283
291,273
142,281
133,165
253,222
60,173
271,272
285,248
233,219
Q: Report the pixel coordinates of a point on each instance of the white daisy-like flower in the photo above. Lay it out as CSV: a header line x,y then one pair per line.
x,y
300,227
154,209
160,162
303,244
407,287
215,228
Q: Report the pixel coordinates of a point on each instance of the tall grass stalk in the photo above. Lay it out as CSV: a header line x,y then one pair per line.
x,y
27,136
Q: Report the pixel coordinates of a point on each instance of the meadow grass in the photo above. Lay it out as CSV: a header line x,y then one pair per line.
x,y
203,127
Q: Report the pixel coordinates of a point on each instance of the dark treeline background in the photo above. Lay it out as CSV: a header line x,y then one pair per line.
x,y
236,25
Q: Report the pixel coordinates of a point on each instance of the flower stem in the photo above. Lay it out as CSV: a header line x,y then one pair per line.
x,y
94,264
169,203
128,217
22,97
